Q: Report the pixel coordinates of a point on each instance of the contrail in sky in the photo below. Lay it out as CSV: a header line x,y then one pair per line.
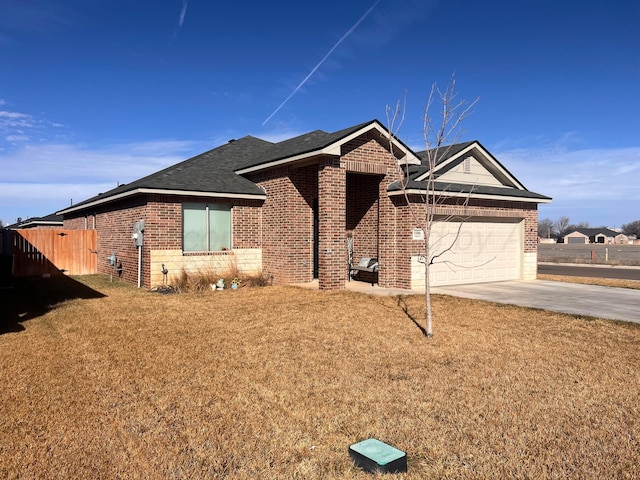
x,y
295,90
183,12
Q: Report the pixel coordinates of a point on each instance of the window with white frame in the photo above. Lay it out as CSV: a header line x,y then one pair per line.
x,y
206,228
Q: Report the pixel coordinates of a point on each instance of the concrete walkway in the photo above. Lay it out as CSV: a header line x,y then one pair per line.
x,y
577,299
588,300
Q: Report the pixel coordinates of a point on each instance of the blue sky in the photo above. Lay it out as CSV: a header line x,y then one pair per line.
x,y
97,92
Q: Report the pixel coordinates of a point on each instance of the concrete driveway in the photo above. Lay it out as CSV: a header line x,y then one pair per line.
x,y
574,298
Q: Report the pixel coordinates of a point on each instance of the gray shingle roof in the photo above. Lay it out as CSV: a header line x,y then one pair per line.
x,y
209,172
592,232
444,152
214,171
309,142
51,219
464,188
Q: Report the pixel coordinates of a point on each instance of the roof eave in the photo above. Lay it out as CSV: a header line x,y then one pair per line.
x,y
159,191
41,222
486,153
485,196
334,149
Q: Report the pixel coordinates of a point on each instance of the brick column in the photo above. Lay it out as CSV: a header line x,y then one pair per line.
x,y
332,254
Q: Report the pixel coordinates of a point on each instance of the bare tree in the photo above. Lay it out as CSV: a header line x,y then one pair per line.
x,y
440,131
546,228
561,225
632,228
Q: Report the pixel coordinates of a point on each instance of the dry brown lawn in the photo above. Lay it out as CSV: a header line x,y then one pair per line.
x,y
277,382
605,282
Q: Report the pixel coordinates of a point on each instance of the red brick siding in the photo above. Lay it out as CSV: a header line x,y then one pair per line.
x,y
351,192
287,228
163,229
476,208
365,154
247,224
115,228
362,214
74,223
332,271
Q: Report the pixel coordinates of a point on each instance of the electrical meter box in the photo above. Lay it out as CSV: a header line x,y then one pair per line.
x,y
138,233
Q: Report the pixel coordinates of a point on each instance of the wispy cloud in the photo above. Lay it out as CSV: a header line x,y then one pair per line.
x,y
181,17
594,185
578,174
117,163
337,44
183,13
17,128
16,138
34,17
38,180
9,120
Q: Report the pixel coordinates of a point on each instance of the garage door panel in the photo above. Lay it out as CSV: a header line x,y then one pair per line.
x,y
483,252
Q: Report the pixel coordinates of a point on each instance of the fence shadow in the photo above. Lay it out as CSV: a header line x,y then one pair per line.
x,y
31,297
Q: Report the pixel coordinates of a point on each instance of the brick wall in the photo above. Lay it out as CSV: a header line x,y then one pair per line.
x,y
371,169
114,234
483,208
163,231
332,272
351,195
476,208
362,214
287,223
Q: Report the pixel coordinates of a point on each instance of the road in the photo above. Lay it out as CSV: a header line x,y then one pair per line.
x,y
628,273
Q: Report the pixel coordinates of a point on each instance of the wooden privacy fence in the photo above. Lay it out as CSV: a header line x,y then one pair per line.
x,y
38,251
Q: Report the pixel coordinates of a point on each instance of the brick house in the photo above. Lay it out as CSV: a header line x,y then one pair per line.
x,y
596,235
51,221
288,208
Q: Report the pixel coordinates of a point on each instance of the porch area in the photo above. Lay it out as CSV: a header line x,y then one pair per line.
x,y
366,288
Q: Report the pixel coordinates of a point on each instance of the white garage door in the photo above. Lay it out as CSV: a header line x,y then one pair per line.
x,y
483,252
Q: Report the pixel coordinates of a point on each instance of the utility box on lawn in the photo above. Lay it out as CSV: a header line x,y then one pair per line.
x,y
375,456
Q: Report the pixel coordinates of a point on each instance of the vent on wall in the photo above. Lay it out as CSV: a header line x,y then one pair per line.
x,y
466,165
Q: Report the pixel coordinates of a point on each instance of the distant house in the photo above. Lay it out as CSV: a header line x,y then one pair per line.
x,y
295,209
547,240
52,220
596,235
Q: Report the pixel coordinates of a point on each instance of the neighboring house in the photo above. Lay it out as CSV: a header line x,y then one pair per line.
x,y
547,240
596,235
288,208
52,220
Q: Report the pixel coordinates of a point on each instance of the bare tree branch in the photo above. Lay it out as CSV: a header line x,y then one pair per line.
x,y
439,136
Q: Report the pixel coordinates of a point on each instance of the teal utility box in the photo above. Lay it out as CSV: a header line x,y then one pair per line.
x,y
375,456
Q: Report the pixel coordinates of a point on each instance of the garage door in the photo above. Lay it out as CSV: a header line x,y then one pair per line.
x,y
581,240
483,252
